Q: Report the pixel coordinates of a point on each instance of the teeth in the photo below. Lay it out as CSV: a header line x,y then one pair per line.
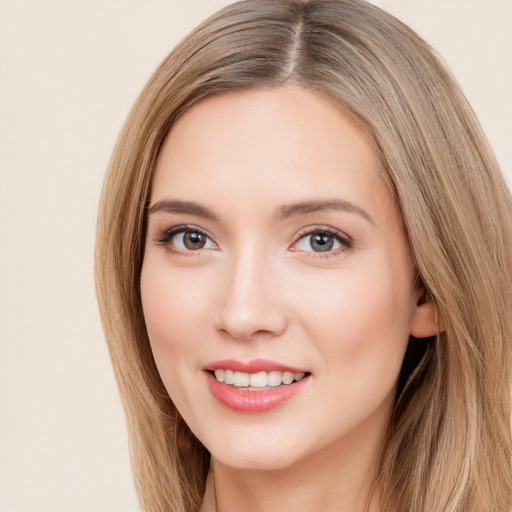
x,y
256,381
288,377
274,378
229,377
241,380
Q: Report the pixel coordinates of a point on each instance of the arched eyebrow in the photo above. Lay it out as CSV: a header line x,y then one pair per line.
x,y
282,213
183,207
306,207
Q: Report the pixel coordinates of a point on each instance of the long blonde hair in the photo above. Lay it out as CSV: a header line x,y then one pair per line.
x,y
448,444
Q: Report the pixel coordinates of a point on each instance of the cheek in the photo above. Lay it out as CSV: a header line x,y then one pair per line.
x,y
174,312
360,318
172,305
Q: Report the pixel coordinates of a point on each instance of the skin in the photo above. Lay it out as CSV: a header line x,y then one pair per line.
x,y
259,289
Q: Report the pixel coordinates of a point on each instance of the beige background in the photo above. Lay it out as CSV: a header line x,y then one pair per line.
x,y
69,72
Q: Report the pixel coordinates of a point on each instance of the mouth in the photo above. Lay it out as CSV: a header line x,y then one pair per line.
x,y
259,381
256,386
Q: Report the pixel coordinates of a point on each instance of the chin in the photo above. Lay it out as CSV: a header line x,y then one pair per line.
x,y
257,460
256,454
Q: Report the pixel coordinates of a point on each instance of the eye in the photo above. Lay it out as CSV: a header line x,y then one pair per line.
x,y
191,241
323,241
183,238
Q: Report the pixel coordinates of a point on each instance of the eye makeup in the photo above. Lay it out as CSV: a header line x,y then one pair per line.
x,y
184,239
313,242
322,241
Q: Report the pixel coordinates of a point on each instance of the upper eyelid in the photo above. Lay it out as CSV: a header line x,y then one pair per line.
x,y
322,229
318,229
344,239
168,233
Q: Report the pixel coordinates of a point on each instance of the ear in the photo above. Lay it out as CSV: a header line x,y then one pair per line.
x,y
424,321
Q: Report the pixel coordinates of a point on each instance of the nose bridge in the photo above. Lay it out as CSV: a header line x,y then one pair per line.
x,y
251,302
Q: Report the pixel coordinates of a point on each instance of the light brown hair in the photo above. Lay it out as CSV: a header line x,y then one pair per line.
x,y
448,444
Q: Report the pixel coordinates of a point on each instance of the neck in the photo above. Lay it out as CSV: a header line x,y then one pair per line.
x,y
338,478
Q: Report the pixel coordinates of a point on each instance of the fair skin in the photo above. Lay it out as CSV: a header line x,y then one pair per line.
x,y
271,236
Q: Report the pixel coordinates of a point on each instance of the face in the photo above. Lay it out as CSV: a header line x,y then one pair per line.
x,y
277,283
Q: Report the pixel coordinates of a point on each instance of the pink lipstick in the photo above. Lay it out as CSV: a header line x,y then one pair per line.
x,y
254,386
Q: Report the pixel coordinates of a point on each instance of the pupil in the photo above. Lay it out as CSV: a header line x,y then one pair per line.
x,y
322,242
194,240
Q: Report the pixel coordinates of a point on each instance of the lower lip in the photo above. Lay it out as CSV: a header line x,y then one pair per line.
x,y
242,400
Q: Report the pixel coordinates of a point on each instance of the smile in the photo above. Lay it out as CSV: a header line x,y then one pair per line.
x,y
257,381
256,386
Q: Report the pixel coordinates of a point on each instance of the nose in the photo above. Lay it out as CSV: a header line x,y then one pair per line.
x,y
251,304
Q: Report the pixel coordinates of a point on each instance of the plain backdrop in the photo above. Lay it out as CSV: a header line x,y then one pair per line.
x,y
69,73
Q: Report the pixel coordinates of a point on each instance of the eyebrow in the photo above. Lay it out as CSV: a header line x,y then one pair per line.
x,y
183,207
284,212
306,207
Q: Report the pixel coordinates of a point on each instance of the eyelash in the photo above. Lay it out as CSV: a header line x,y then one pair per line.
x,y
346,243
169,234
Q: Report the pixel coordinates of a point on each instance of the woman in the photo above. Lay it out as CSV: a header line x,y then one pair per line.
x,y
303,266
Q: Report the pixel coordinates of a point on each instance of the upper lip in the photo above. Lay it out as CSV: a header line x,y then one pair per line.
x,y
252,366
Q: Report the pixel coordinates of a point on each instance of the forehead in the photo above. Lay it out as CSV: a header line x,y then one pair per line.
x,y
273,145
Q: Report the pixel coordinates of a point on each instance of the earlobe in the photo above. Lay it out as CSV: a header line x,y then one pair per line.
x,y
424,321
